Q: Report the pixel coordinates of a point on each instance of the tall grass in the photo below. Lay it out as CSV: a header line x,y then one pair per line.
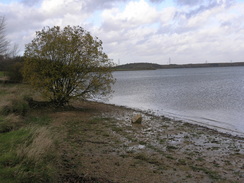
x,y
27,155
15,106
27,148
12,100
9,123
1,74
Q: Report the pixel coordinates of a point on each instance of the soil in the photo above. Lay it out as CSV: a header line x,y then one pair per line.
x,y
98,143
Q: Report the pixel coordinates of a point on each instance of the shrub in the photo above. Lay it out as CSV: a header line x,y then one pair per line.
x,y
13,69
14,73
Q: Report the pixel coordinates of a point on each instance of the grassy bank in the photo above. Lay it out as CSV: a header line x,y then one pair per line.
x,y
26,144
1,73
94,142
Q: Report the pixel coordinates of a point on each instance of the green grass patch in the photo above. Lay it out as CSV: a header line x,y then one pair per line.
x,y
209,172
9,161
25,156
38,120
5,126
182,162
170,157
171,148
142,157
3,92
1,73
116,129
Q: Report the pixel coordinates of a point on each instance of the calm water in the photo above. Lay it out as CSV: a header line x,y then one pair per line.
x,y
209,96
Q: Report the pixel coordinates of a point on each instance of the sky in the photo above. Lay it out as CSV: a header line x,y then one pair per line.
x,y
132,31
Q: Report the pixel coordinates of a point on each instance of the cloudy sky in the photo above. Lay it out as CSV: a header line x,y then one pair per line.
x,y
186,31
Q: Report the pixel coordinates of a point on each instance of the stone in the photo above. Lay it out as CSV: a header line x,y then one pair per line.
x,y
137,119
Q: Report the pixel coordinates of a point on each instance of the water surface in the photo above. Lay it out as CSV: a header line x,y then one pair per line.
x,y
209,96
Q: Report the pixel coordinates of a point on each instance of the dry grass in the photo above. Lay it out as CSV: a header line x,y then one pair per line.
x,y
14,118
9,94
41,143
4,102
13,100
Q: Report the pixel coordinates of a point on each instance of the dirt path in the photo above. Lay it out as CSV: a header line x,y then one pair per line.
x,y
99,144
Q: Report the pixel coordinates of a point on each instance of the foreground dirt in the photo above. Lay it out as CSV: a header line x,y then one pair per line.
x,y
98,143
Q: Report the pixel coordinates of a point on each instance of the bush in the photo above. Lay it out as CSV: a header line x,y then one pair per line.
x,y
14,73
14,70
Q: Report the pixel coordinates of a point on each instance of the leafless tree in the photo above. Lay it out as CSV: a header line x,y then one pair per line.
x,y
14,51
4,43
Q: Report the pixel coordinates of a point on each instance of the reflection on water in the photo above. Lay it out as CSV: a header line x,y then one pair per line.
x,y
213,96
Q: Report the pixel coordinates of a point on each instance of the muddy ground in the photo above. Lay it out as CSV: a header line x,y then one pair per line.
x,y
98,143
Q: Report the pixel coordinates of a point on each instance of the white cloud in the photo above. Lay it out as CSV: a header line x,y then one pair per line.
x,y
136,13
139,13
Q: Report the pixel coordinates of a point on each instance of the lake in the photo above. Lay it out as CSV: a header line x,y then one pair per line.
x,y
213,97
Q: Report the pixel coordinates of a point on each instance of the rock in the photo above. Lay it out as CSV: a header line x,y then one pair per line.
x,y
137,119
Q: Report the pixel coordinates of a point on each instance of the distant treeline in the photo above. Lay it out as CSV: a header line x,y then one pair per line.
x,y
152,66
11,67
6,62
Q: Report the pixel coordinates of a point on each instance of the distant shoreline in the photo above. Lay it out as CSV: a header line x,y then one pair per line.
x,y
216,129
152,66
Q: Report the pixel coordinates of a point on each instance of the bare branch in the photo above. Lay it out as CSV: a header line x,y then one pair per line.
x,y
4,43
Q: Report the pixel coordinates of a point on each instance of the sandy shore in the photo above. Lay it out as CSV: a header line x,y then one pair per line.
x,y
111,149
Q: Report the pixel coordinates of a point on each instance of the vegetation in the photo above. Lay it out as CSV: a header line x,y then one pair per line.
x,y
1,73
10,63
26,148
11,68
67,63
151,66
138,66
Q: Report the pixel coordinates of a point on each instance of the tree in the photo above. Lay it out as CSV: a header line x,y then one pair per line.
x,y
3,41
67,63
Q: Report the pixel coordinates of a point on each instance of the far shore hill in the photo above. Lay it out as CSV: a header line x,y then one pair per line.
x,y
153,66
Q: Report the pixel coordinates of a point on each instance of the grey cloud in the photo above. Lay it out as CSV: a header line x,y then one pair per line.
x,y
196,10
203,2
157,1
31,2
226,24
92,5
189,2
200,6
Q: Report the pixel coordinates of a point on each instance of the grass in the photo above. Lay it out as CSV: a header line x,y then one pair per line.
x,y
25,156
3,92
10,163
38,120
209,172
16,106
171,148
1,74
9,123
26,145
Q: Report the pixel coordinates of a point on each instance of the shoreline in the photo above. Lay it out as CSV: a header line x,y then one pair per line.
x,y
172,150
217,129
